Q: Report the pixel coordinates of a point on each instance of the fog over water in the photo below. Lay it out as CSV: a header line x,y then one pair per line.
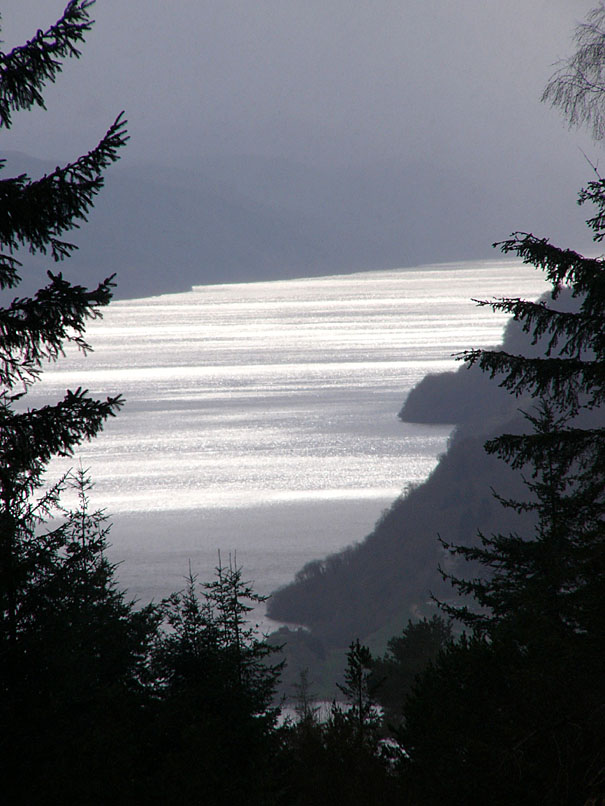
x,y
261,417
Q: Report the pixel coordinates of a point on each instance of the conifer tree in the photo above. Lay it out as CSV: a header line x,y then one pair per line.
x,y
34,216
360,692
210,630
73,653
216,717
559,571
407,655
76,689
515,711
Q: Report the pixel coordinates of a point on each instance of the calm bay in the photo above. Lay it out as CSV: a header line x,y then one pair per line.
x,y
261,418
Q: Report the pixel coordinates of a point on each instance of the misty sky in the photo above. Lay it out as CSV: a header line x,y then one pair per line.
x,y
321,83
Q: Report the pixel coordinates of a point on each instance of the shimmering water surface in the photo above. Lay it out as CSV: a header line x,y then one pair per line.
x,y
261,418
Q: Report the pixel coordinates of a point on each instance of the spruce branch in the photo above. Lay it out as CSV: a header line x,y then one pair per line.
x,y
25,69
28,440
34,329
562,267
564,380
36,213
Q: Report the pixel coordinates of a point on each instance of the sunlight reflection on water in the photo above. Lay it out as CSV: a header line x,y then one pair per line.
x,y
260,408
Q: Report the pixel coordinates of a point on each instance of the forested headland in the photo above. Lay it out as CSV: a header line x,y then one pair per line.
x,y
371,589
485,678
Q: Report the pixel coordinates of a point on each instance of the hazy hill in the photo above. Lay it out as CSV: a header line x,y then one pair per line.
x,y
251,218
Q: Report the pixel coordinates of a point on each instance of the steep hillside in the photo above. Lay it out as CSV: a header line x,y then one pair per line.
x,y
370,590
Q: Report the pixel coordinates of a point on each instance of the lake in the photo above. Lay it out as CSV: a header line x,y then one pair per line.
x,y
261,418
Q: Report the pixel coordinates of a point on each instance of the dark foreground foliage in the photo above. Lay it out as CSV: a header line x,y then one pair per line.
x,y
103,702
100,701
514,712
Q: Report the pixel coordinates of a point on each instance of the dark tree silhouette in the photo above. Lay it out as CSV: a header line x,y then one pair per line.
x,y
359,690
216,717
515,712
561,569
73,653
34,214
341,759
407,655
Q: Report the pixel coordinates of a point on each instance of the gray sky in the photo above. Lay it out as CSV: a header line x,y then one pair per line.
x,y
322,83
310,79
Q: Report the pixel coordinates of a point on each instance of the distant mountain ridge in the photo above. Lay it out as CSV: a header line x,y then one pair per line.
x,y
248,218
